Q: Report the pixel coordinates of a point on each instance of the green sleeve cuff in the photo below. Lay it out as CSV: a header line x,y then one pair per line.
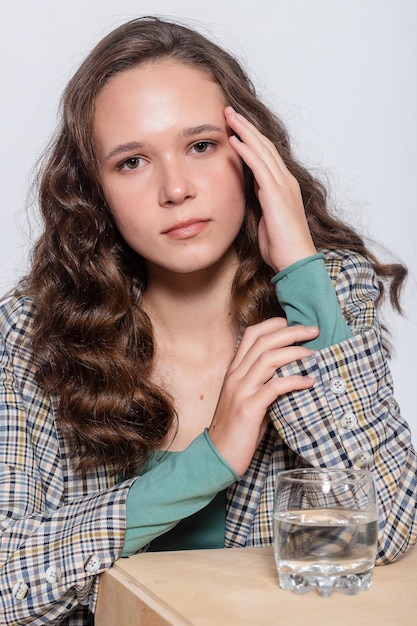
x,y
307,295
179,486
297,265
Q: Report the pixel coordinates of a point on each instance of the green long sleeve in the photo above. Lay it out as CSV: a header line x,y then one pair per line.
x,y
177,486
307,295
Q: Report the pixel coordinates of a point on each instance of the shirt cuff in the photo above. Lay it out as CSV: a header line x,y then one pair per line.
x,y
307,295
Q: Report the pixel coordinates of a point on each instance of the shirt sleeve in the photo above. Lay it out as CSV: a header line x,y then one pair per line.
x,y
53,545
350,418
164,495
307,295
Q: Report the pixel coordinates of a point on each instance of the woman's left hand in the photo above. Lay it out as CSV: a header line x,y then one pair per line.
x,y
284,235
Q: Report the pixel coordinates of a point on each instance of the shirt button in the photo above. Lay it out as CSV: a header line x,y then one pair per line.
x,y
20,590
92,564
348,420
362,458
337,385
53,574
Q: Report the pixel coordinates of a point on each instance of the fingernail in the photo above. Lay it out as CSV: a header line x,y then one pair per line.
x,y
312,329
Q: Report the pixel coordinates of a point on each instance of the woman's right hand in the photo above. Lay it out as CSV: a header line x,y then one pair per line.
x,y
284,236
250,386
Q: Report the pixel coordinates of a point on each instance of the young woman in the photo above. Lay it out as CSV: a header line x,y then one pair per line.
x,y
194,321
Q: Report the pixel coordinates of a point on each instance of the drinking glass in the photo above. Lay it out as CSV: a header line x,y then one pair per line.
x,y
325,530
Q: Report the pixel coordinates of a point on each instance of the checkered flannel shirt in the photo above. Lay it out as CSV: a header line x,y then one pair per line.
x,y
60,531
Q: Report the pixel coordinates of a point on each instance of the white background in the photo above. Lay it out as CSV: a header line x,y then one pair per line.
x,y
342,73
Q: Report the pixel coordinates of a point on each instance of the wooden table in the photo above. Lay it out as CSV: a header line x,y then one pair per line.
x,y
240,587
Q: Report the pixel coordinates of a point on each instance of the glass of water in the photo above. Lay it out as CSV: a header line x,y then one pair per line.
x,y
325,530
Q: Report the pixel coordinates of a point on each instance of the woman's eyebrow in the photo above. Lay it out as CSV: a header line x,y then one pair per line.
x,y
202,128
124,147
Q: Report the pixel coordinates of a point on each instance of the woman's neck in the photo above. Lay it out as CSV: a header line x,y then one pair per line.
x,y
191,307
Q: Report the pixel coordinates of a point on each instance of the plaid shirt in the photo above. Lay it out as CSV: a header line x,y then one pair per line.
x,y
60,531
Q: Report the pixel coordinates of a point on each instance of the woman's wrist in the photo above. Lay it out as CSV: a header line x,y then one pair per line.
x,y
289,254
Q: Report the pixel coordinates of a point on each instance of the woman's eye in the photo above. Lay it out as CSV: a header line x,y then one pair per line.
x,y
132,163
202,146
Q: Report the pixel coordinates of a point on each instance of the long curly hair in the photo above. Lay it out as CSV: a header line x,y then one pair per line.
x,y
93,343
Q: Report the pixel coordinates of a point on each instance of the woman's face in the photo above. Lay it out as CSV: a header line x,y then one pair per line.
x,y
169,175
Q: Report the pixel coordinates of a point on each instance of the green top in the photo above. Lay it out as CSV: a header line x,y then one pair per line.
x,y
307,295
164,493
173,512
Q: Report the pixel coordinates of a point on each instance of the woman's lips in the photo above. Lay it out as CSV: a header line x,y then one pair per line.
x,y
185,230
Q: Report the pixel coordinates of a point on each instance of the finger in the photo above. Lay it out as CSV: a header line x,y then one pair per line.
x,y
252,333
277,387
253,140
237,121
261,341
251,408
257,373
265,166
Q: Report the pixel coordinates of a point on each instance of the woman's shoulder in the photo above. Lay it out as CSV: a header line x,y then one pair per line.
x,y
16,313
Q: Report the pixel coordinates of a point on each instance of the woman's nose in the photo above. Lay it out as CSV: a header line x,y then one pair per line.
x,y
176,184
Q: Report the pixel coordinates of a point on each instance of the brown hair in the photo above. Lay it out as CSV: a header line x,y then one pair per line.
x,y
93,342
